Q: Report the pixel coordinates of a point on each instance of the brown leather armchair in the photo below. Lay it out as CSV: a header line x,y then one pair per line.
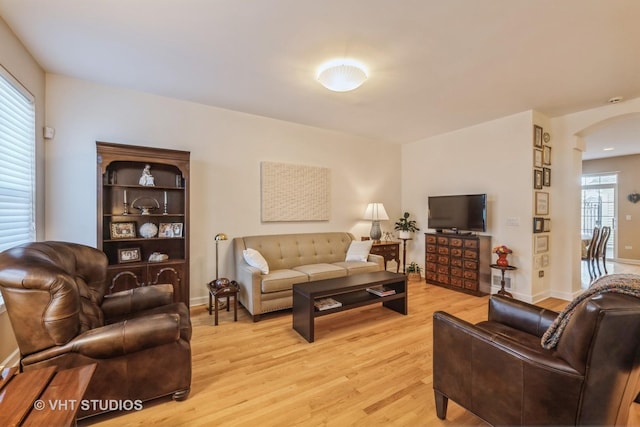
x,y
499,370
54,293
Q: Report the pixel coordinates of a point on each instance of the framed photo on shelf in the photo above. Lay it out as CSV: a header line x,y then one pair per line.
x,y
546,155
538,224
123,230
129,255
170,229
537,179
541,244
546,177
537,136
542,203
537,158
176,227
546,227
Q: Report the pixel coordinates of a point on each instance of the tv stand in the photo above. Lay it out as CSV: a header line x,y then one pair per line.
x,y
459,261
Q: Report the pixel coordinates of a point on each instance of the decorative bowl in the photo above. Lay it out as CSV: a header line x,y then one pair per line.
x,y
148,230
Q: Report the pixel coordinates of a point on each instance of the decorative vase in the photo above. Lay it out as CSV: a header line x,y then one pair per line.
x,y
502,260
404,234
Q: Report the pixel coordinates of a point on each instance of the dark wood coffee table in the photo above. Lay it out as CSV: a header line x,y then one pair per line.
x,y
350,291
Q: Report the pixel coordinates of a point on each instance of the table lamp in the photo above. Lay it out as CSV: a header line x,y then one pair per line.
x,y
376,213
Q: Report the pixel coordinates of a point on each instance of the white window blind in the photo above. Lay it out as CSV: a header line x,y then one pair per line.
x,y
17,159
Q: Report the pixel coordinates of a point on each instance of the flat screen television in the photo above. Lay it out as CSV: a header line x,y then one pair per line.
x,y
458,213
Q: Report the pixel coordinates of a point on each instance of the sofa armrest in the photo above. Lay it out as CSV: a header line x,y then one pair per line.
x,y
122,303
520,315
250,282
117,339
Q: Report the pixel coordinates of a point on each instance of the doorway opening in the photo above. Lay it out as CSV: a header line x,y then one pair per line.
x,y
599,195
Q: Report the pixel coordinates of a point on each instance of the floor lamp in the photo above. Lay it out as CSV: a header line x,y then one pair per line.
x,y
218,238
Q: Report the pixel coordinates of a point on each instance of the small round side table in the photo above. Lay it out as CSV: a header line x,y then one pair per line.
x,y
502,269
217,292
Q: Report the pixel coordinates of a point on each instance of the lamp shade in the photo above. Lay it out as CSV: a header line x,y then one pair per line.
x,y
375,212
342,75
220,236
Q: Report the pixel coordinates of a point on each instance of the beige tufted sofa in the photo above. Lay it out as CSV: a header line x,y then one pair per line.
x,y
293,258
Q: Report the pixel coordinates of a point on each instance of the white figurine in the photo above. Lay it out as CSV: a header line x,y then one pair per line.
x,y
147,179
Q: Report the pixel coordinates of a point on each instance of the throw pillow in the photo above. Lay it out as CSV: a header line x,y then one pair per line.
x,y
255,259
359,250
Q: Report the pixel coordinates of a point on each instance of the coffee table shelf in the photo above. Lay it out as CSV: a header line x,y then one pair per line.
x,y
350,291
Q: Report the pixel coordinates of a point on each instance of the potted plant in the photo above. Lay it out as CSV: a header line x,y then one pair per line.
x,y
413,272
406,226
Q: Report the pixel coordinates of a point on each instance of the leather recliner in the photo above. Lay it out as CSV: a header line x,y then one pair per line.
x,y
499,370
54,294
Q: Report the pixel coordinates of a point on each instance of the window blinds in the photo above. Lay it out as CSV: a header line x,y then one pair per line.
x,y
17,159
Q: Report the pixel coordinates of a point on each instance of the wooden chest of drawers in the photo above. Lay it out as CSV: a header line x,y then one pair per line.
x,y
459,262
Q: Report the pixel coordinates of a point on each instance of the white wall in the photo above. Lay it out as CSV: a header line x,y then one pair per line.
x,y
226,150
494,158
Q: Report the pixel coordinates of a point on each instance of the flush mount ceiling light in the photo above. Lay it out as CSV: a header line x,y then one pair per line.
x,y
342,75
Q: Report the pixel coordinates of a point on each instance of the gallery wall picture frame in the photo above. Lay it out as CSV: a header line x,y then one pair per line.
x,y
129,255
546,226
537,136
538,224
537,158
546,177
546,155
123,230
542,203
541,244
537,179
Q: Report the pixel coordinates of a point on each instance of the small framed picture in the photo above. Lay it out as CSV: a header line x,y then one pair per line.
x,y
537,179
123,230
546,155
176,228
537,136
537,158
541,244
538,224
129,255
546,227
546,177
165,230
542,203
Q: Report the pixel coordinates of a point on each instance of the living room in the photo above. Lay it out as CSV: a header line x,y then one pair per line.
x,y
493,157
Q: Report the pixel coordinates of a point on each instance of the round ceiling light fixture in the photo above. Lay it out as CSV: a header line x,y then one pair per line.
x,y
342,75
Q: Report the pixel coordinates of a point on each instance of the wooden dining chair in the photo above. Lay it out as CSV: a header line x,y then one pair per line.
x,y
591,253
601,250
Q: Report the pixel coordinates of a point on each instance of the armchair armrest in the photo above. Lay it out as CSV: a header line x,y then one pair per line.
x,y
117,339
130,301
520,315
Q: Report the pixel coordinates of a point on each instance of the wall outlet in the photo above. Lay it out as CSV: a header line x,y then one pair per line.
x,y
628,247
513,221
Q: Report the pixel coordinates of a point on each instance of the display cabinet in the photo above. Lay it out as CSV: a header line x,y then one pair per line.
x,y
143,216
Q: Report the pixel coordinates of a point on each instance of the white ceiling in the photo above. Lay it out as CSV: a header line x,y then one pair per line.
x,y
435,65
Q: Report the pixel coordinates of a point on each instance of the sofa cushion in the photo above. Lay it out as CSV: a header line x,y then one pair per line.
x,y
359,250
321,271
282,280
356,267
255,259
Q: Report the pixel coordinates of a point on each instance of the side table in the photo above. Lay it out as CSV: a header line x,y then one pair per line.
x,y
390,251
216,292
502,269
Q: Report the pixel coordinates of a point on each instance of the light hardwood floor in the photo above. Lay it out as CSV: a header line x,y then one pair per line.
x,y
368,366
